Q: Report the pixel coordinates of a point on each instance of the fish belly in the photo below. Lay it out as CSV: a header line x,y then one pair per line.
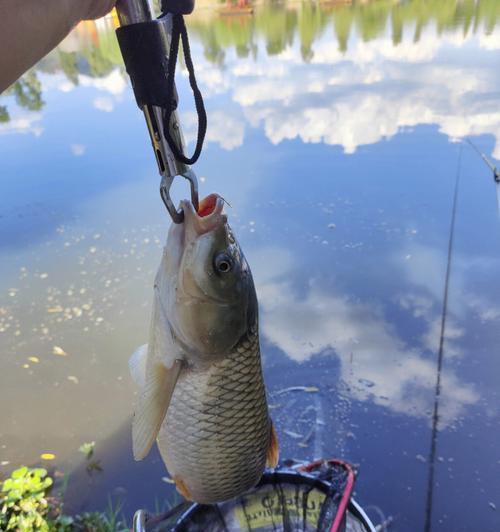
x,y
216,432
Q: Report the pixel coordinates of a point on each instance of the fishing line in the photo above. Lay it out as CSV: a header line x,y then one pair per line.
x,y
491,166
476,149
437,393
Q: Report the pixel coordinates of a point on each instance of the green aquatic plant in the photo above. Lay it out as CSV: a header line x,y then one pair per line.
x,y
109,521
93,466
87,449
23,502
25,505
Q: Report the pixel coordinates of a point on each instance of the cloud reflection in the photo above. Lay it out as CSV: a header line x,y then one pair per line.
x,y
401,377
226,130
425,271
23,122
369,92
104,103
114,83
78,149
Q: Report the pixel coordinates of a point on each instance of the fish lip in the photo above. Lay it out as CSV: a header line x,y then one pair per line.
x,y
204,224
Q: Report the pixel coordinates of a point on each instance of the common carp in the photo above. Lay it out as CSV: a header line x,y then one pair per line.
x,y
202,390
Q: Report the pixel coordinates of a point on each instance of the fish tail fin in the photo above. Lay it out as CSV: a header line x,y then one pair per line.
x,y
152,406
137,365
273,451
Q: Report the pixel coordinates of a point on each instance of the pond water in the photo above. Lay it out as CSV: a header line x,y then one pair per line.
x,y
336,134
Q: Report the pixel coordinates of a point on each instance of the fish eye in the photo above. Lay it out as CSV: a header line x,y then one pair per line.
x,y
223,263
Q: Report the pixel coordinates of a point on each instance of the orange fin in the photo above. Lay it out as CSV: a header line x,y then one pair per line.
x,y
182,488
273,451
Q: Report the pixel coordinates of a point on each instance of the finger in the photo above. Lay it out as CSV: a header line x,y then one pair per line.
x,y
98,8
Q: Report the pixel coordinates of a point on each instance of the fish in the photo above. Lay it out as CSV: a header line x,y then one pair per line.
x,y
202,394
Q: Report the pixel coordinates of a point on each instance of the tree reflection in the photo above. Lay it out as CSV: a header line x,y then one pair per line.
x,y
28,92
280,24
311,23
28,95
4,114
69,65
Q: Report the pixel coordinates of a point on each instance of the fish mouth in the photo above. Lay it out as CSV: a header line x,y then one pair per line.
x,y
209,215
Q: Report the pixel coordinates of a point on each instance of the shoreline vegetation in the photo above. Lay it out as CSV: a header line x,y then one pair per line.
x,y
30,500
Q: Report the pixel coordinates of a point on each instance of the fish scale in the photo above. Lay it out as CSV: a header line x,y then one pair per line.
x,y
217,429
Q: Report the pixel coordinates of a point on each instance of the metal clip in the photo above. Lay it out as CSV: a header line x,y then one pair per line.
x,y
166,184
132,12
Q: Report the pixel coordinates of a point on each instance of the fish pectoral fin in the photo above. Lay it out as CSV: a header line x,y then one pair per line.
x,y
273,451
152,406
137,365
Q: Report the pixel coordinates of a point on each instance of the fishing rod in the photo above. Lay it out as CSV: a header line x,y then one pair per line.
x,y
440,357
491,166
149,47
442,337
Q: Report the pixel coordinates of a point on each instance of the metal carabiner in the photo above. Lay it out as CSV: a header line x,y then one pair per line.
x,y
166,183
168,166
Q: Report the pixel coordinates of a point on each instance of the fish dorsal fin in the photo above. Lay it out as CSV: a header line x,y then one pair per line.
x,y
152,405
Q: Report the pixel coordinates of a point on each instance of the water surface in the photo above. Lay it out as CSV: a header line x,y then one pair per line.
x,y
335,134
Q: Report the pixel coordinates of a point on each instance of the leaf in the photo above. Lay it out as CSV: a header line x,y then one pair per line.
x,y
87,449
20,472
59,351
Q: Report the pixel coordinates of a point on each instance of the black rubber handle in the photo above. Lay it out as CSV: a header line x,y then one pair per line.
x,y
146,61
177,7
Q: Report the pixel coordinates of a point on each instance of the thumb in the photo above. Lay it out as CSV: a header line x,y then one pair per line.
x,y
93,9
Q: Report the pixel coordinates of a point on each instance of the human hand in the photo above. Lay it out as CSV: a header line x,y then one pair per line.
x,y
92,9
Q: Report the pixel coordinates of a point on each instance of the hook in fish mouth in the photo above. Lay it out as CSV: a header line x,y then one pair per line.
x,y
208,216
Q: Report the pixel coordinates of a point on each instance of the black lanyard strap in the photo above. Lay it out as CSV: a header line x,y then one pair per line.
x,y
179,32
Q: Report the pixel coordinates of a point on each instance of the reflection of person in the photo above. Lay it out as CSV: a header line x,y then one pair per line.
x,y
29,29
